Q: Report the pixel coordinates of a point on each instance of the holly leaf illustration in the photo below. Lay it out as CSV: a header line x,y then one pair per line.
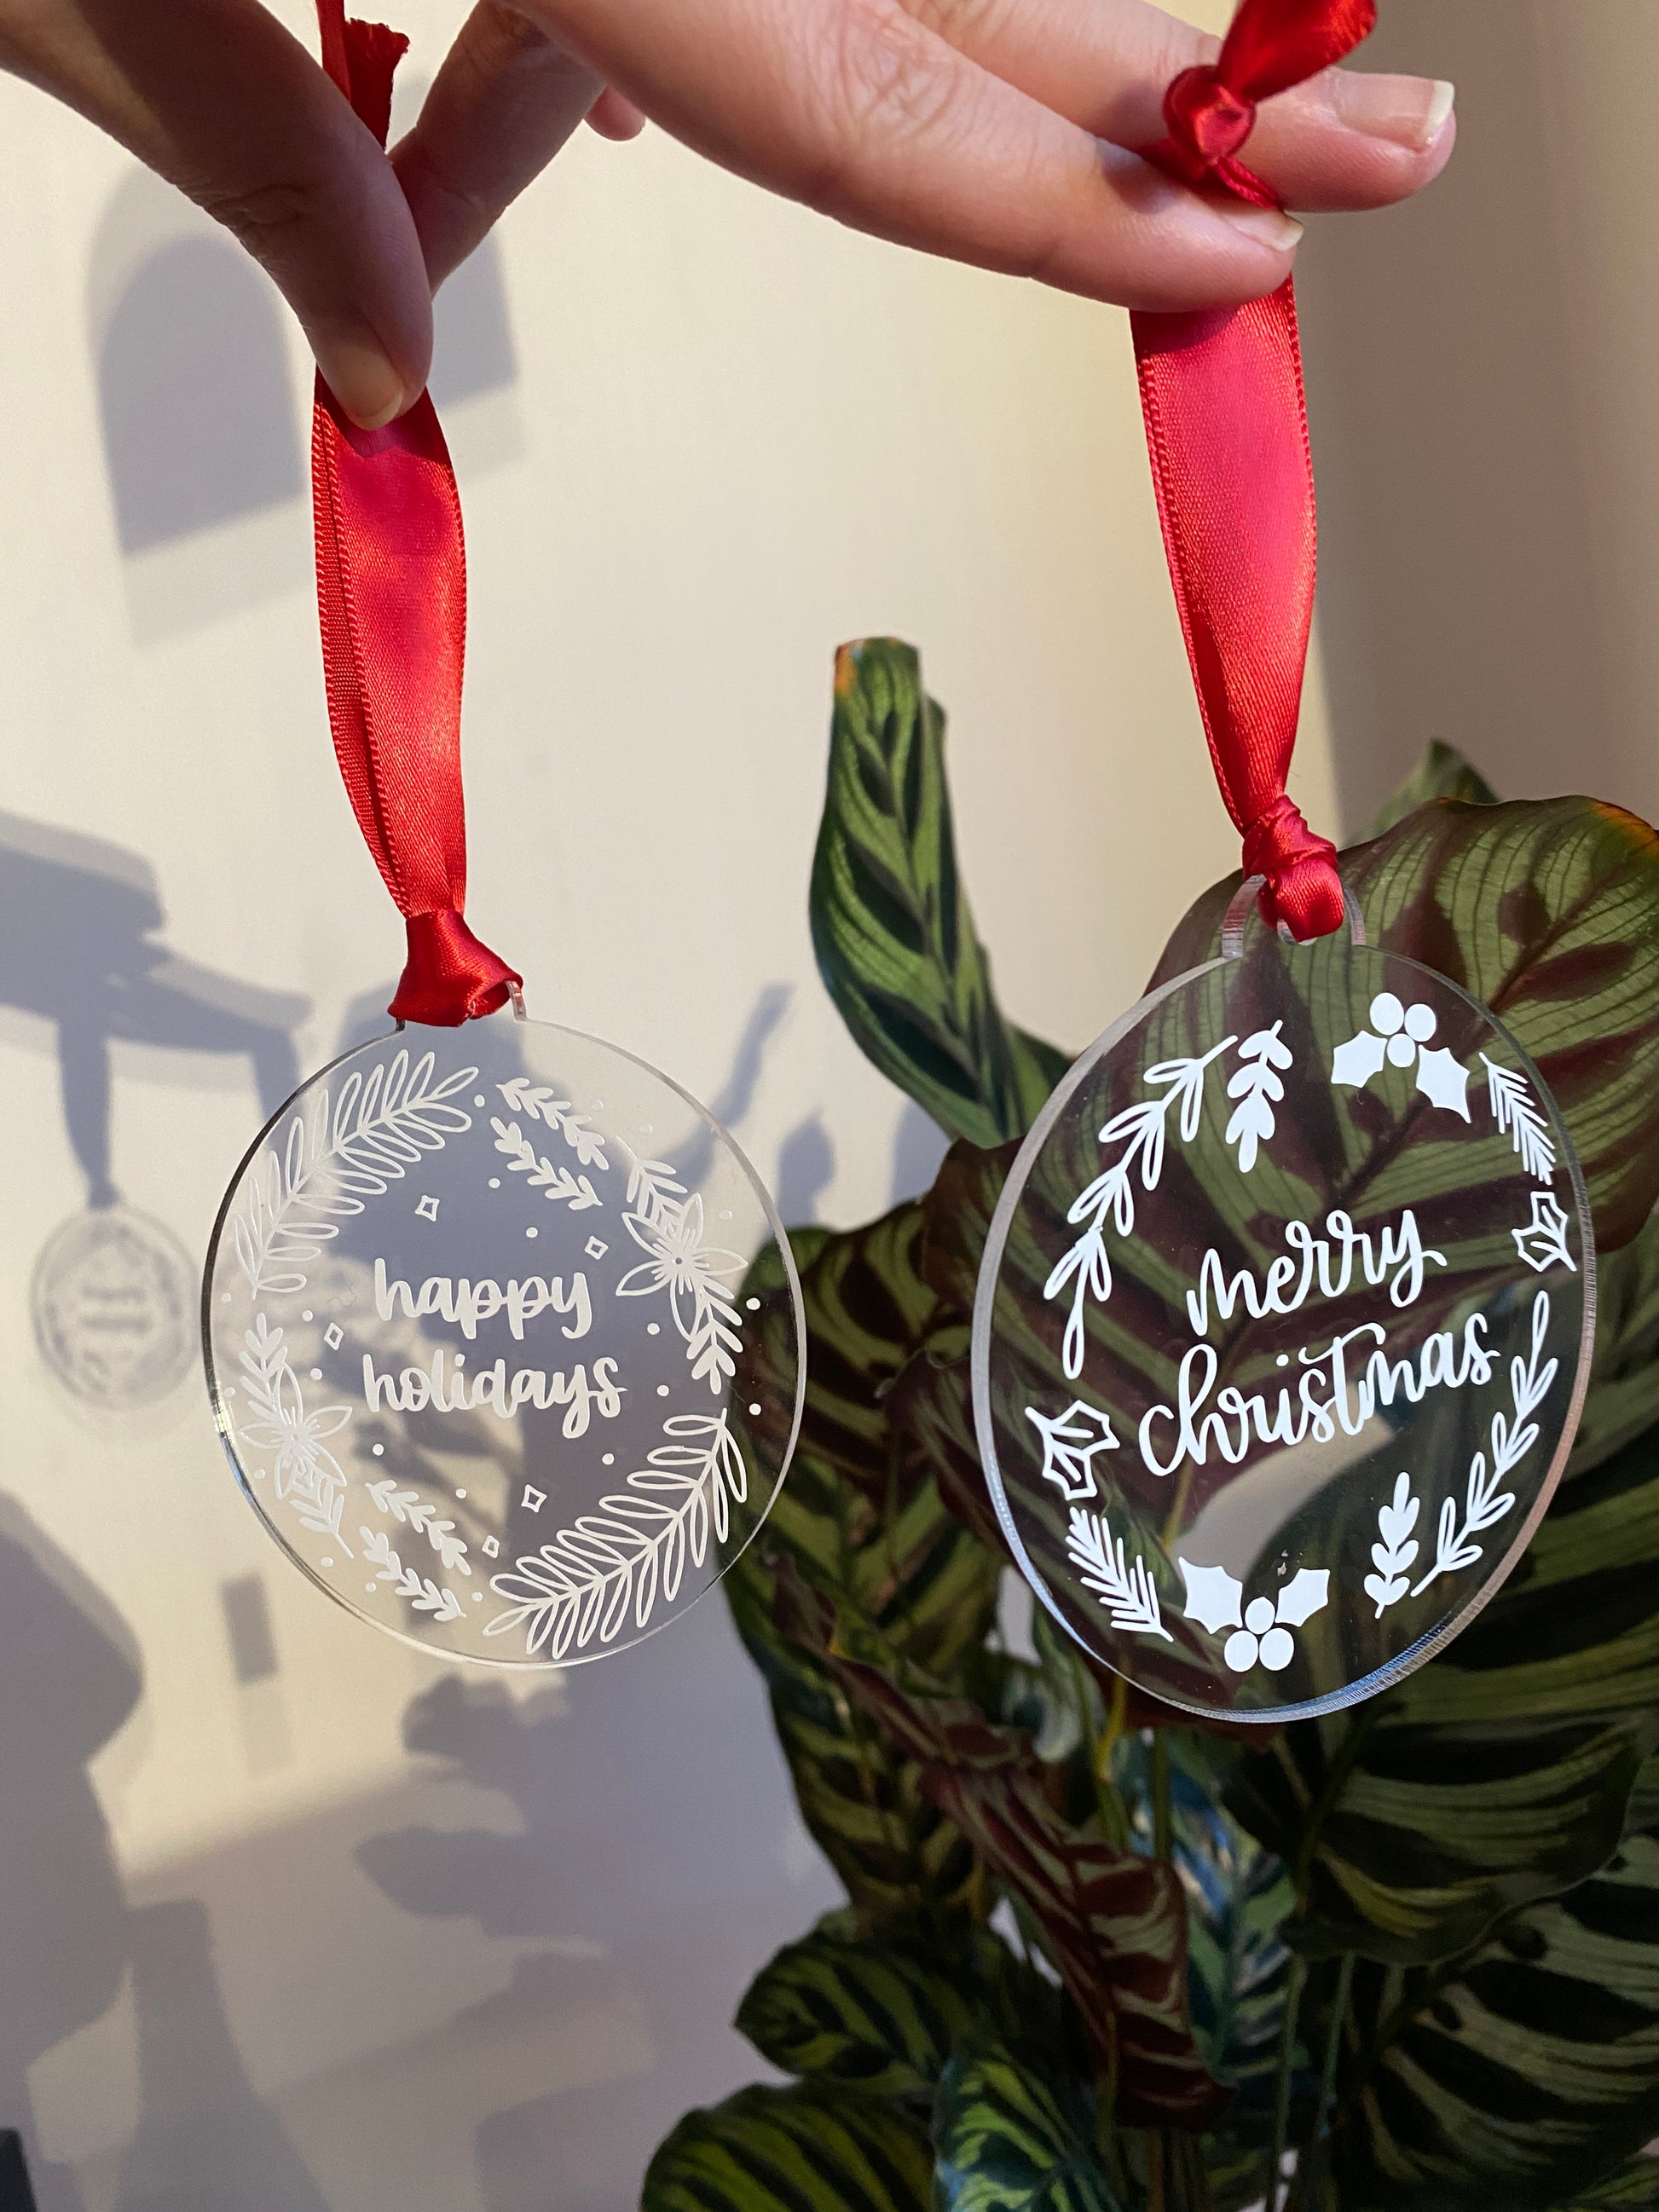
x,y
1356,1062
1213,1598
1443,1081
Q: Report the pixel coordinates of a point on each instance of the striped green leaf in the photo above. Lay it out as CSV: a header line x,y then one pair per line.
x,y
1004,2143
1633,2188
1549,912
1113,1923
1516,2074
811,2147
890,922
860,1518
884,2014
1442,773
1501,1772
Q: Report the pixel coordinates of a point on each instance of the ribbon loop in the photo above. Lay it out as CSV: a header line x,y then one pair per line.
x,y
1206,119
392,607
1226,421
1299,866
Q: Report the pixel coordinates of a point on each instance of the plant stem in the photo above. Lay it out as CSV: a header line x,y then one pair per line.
x,y
1311,2173
1163,1823
1294,1983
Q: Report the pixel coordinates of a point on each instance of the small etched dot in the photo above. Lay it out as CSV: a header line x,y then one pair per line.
x,y
725,1213
224,1297
306,1316
478,1098
460,1493
316,1374
755,1410
753,1304
328,1563
369,1587
662,1390
610,1459
477,1597
645,1128
532,1230
379,1451
1284,1359
653,1329
495,1183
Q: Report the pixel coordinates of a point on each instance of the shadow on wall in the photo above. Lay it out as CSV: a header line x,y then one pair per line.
x,y
202,410
68,1939
78,918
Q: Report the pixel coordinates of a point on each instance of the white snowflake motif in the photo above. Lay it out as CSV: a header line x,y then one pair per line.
x,y
1543,1243
1258,1090
1262,1630
694,1275
1399,1037
1070,1441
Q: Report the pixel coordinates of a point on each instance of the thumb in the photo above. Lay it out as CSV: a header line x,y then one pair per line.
x,y
216,97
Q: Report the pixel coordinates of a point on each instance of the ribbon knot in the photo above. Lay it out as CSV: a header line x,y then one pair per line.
x,y
1208,121
1303,890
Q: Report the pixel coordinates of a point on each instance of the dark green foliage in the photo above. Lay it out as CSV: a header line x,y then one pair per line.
x,y
1004,2143
1442,773
894,938
1417,1943
808,2149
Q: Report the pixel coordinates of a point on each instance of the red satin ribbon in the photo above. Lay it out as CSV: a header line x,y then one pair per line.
x,y
391,603
1227,426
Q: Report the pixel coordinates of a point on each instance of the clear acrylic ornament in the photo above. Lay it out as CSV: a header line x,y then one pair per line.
x,y
482,1347
1283,1327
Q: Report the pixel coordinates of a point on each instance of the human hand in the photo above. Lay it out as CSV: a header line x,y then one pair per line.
x,y
217,97
994,131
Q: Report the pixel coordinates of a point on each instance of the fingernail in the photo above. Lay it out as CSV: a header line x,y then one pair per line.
x,y
362,380
1269,226
1408,111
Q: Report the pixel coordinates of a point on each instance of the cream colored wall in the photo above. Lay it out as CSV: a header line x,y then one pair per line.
x,y
735,436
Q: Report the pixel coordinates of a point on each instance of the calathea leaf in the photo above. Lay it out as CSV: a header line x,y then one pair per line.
x,y
1518,2073
812,2147
1633,2188
864,1521
890,922
883,2013
1623,1389
1549,912
1113,1923
1442,773
1500,1772
1005,2142
1238,1897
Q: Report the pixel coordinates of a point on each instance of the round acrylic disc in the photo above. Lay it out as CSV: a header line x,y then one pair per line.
x,y
483,1348
1283,1329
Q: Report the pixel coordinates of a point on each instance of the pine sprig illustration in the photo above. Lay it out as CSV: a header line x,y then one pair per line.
x,y
612,1565
1128,1594
554,1183
337,1151
1514,1110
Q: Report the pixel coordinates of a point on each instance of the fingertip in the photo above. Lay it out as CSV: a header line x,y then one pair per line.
x,y
615,117
370,388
